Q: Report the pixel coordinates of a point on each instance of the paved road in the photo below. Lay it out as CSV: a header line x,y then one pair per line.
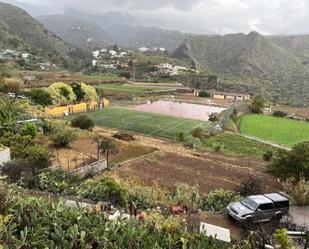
x,y
300,215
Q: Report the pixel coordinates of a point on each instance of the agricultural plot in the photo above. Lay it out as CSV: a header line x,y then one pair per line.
x,y
132,88
210,171
146,123
279,130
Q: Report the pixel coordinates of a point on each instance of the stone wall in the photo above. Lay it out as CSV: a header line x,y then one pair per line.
x,y
93,168
5,155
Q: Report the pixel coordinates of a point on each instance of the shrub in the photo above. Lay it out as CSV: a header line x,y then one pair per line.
x,y
279,114
84,122
181,137
218,200
186,195
217,147
15,169
299,191
37,156
268,155
106,189
63,137
197,132
213,117
39,96
250,187
193,142
4,197
29,129
204,94
283,239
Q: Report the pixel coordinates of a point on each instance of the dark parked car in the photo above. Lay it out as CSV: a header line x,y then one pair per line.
x,y
259,208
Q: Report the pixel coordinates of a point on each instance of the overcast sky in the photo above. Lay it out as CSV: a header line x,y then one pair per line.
x,y
218,16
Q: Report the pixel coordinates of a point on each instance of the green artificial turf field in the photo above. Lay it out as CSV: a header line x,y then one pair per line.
x,y
146,123
278,130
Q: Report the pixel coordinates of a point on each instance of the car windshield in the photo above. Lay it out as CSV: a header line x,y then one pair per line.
x,y
249,203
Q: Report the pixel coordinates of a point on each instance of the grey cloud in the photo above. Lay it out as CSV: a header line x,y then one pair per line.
x,y
266,16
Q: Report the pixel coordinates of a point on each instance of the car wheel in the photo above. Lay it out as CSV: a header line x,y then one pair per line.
x,y
278,216
249,220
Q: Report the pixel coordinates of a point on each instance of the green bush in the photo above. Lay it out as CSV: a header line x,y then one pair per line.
x,y
29,129
279,114
84,122
198,132
218,200
268,155
39,96
106,189
204,94
63,137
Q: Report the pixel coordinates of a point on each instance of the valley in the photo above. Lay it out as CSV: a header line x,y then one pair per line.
x,y
117,133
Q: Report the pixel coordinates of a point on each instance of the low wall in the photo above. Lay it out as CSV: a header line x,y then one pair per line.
x,y
5,155
94,168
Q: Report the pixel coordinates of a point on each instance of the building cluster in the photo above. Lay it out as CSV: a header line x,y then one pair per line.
x,y
24,58
172,70
153,50
111,58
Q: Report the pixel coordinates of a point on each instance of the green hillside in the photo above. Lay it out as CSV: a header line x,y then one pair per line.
x,y
251,63
18,30
78,32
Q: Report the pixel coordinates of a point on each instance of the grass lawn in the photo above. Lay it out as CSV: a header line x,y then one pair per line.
x,y
145,123
235,144
130,88
279,130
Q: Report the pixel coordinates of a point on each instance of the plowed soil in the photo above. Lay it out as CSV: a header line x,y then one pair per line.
x,y
210,171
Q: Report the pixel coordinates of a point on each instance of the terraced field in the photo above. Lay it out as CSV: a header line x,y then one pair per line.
x,y
278,130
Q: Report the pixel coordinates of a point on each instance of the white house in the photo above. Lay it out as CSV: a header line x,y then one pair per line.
x,y
176,70
96,53
5,154
25,55
162,49
143,49
166,66
94,63
104,50
112,52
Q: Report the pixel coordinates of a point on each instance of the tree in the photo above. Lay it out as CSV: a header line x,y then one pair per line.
x,y
61,93
89,92
292,164
84,122
108,147
257,104
63,137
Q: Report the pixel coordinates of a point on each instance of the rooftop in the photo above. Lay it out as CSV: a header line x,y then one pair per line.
x,y
276,197
260,199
